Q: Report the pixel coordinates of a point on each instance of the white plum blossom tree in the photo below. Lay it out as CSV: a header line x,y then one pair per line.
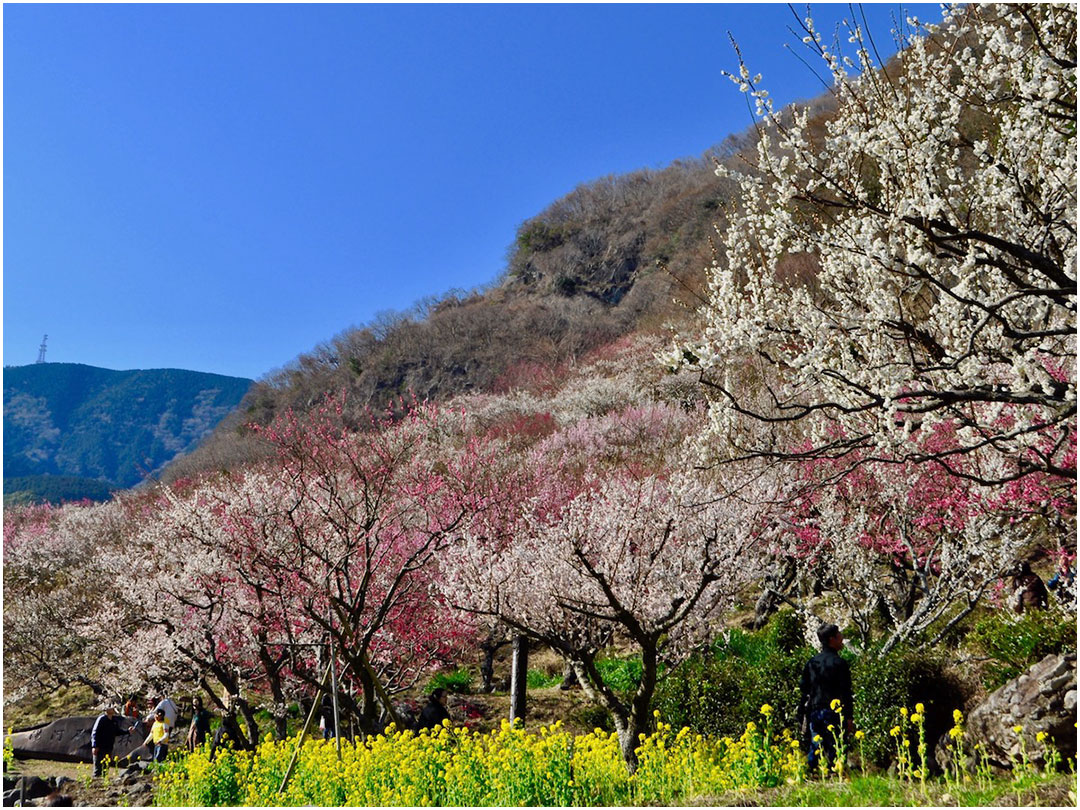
x,y
649,556
937,208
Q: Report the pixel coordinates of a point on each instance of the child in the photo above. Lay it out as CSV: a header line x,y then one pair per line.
x,y
159,736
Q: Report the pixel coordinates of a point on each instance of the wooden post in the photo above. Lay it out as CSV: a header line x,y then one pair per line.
x,y
519,670
303,732
334,686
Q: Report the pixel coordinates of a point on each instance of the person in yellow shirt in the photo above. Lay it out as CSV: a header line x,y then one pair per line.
x,y
159,736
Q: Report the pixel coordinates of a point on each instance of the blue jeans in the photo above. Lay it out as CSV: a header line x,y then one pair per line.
x,y
820,721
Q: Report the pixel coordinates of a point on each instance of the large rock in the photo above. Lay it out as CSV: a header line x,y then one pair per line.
x,y
1041,700
68,740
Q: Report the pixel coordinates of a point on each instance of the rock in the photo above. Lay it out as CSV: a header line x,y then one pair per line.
x,y
34,787
56,799
142,787
1041,700
68,740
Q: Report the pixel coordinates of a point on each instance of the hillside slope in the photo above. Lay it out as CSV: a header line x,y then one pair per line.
x,y
72,429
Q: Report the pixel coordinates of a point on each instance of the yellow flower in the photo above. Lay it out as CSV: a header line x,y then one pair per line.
x,y
956,732
957,716
916,718
895,731
835,705
859,734
766,709
831,727
920,708
903,711
1017,729
1041,736
817,738
795,745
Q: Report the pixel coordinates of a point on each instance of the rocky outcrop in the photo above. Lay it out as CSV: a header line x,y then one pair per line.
x,y
1040,701
131,787
68,740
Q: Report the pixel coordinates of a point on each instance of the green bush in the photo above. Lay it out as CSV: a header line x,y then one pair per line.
x,y
882,684
621,674
720,689
1015,642
458,680
536,679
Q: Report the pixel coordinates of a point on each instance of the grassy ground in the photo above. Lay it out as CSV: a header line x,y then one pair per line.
x,y
63,702
883,791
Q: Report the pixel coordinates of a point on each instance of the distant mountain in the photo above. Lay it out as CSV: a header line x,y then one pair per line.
x,y
73,431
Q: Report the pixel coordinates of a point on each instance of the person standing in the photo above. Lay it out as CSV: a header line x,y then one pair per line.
x,y
825,695
326,718
172,711
200,725
103,735
159,736
434,712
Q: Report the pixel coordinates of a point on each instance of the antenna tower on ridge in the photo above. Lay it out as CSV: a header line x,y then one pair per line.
x,y
41,350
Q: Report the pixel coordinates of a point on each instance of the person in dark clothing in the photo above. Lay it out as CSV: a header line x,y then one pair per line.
x,y
103,736
200,725
434,711
826,694
1028,589
326,717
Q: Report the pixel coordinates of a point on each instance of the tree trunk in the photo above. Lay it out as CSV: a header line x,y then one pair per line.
x,y
630,721
569,675
519,670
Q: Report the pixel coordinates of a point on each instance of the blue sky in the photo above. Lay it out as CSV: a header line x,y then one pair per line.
x,y
222,187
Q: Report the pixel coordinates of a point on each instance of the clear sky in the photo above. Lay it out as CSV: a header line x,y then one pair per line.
x,y
223,187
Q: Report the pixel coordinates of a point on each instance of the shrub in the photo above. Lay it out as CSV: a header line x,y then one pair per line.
x,y
458,680
902,678
1013,643
536,679
593,716
621,674
711,694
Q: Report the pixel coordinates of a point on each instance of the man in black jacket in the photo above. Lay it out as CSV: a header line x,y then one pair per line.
x,y
103,736
826,694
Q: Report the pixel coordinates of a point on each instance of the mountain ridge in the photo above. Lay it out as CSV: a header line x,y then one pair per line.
x,y
104,426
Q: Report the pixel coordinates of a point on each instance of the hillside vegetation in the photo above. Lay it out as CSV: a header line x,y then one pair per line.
x,y
618,255
73,431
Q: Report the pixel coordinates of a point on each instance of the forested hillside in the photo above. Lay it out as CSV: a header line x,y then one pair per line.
x,y
617,255
73,431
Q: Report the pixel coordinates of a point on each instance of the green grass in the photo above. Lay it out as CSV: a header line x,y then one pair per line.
x,y
458,681
883,791
536,679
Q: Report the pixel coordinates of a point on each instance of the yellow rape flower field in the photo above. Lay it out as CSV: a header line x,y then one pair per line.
x,y
507,767
552,767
